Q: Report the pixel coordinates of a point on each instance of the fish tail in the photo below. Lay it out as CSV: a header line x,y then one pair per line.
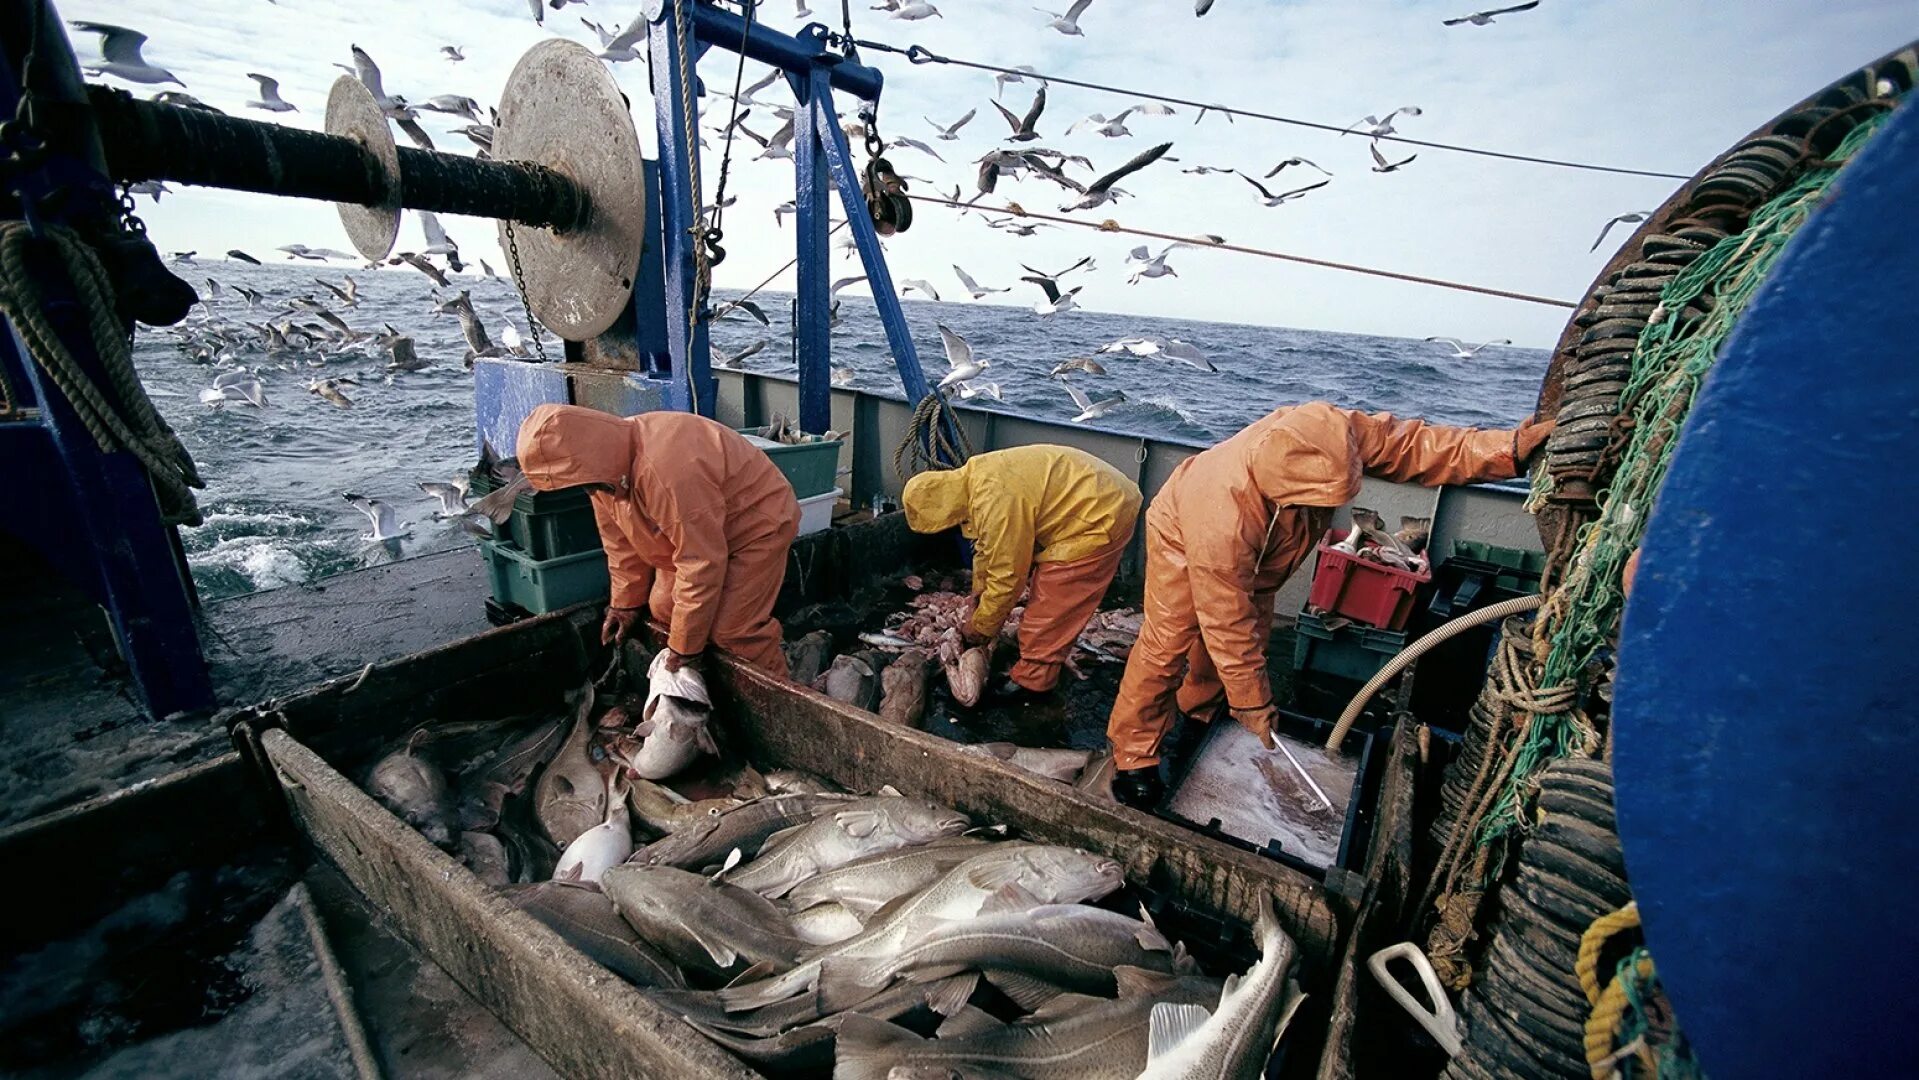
x,y
868,1048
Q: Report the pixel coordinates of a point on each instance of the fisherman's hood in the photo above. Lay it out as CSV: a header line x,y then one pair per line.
x,y
563,446
1309,458
937,501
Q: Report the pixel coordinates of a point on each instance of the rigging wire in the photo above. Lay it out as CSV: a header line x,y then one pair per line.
x,y
1201,243
919,54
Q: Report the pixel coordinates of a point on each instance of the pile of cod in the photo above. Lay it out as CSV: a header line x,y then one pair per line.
x,y
805,928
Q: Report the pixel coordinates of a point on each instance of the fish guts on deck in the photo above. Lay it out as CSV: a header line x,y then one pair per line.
x,y
696,522
1230,526
1056,515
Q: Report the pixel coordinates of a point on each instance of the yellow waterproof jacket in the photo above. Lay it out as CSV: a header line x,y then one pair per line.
x,y
1020,506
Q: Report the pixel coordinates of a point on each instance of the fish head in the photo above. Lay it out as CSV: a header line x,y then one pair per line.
x,y
919,821
1059,875
672,735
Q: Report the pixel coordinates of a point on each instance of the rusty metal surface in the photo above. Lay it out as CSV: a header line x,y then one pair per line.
x,y
585,1021
351,112
562,109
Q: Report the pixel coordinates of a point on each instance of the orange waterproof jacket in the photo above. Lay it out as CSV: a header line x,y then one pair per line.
x,y
1019,506
1238,512
684,491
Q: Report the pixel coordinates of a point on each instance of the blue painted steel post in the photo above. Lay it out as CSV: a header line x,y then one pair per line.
x,y
691,388
813,334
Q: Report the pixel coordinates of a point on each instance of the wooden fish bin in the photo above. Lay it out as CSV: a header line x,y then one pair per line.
x,y
577,1015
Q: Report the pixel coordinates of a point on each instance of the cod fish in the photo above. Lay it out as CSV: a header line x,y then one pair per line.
x,y
966,679
486,857
1234,1041
799,782
854,679
570,796
506,773
599,848
1061,765
859,828
589,923
809,1047
806,658
825,924
702,924
1072,1037
1030,955
903,689
706,841
674,724
666,811
995,880
866,885
415,790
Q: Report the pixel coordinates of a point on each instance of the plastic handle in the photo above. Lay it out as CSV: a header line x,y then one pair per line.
x,y
1440,1021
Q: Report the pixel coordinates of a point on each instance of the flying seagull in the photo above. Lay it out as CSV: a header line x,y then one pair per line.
x,y
1023,127
1462,352
1079,363
1380,164
968,391
453,53
404,357
120,55
329,389
418,262
1376,125
437,241
1484,18
733,362
1115,126
959,358
1088,408
1632,218
1101,191
926,287
950,132
452,497
349,293
1283,197
1068,23
1152,266
979,291
236,253
1277,169
1056,301
378,514
270,98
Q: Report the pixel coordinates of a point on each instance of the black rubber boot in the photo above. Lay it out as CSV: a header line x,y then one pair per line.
x,y
1008,692
1140,789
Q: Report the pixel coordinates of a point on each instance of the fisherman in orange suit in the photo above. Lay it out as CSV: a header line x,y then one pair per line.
x,y
1229,527
1053,516
696,523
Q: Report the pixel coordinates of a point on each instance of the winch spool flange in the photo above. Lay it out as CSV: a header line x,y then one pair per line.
x,y
562,109
351,111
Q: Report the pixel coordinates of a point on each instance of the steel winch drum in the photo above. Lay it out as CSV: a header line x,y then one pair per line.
x,y
351,111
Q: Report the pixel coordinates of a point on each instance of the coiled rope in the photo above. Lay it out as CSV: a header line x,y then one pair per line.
x,y
120,416
927,444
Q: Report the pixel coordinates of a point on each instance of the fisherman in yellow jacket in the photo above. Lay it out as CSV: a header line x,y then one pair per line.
x,y
1056,516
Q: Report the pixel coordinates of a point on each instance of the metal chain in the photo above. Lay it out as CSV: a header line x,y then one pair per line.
x,y
519,282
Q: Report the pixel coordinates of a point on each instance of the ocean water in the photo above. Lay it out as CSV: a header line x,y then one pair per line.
x,y
275,476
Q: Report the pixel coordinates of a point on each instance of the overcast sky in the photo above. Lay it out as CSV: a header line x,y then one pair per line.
x,y
1651,84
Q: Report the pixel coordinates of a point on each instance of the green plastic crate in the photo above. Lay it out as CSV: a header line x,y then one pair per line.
x,y
543,585
1526,564
546,524
1352,652
809,467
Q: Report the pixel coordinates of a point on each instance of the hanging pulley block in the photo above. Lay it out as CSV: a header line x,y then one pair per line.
x,y
562,109
351,111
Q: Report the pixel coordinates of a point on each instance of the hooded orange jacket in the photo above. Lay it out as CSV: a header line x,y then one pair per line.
x,y
684,491
1238,511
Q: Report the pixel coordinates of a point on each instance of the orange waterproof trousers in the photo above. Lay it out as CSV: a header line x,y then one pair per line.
x,y
1064,595
744,625
1169,666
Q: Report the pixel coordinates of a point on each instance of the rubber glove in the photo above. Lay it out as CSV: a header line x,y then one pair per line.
x,y
1259,721
1527,440
618,624
677,660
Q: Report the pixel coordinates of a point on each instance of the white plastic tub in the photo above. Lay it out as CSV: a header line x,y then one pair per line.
x,y
816,512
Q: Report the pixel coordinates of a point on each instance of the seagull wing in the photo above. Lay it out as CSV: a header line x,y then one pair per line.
x,y
430,225
1079,397
958,352
1106,182
771,74
370,507
1048,285
966,279
1039,103
269,87
1079,8
833,290
962,122
1454,342
1011,120
1509,10
1379,159
1256,184
118,44
1303,190
368,71
415,132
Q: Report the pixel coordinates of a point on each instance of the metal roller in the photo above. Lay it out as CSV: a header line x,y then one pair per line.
x,y
352,112
561,109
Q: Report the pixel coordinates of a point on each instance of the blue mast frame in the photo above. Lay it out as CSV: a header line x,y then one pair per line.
x,y
821,160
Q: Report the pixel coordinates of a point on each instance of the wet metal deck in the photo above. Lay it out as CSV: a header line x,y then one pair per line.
x,y
76,731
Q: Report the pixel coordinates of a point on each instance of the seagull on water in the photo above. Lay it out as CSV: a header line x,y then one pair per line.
x,y
270,98
979,291
959,359
1283,197
120,55
329,389
1485,18
1633,218
452,497
1101,191
1462,352
379,515
1068,23
1088,408
950,132
1023,126
1380,164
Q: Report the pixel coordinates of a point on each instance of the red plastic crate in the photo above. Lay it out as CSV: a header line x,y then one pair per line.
x,y
1361,590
